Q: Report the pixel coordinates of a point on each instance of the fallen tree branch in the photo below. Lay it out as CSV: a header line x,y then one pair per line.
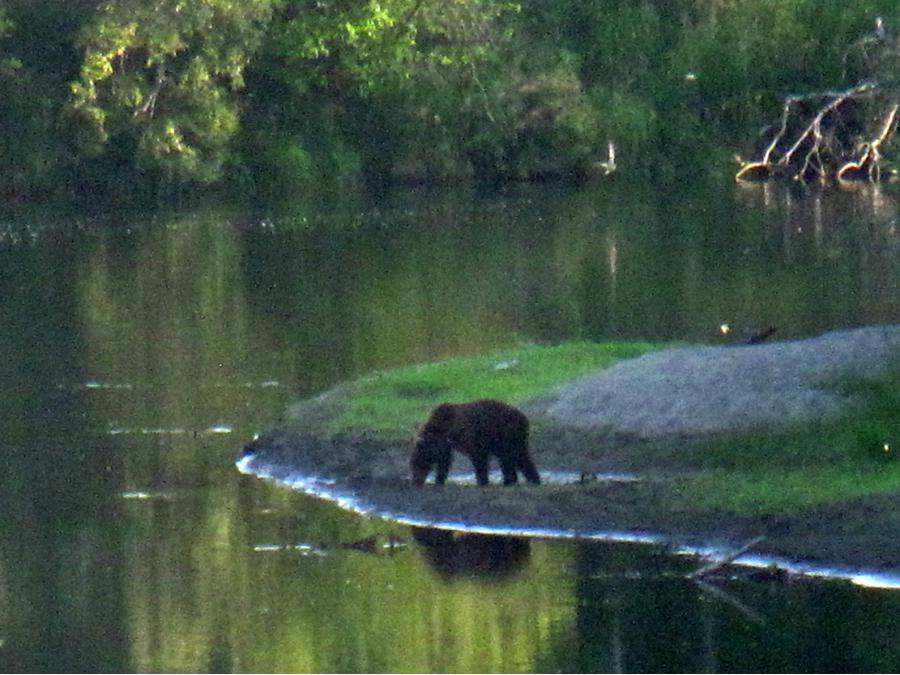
x,y
868,166
724,561
838,134
816,149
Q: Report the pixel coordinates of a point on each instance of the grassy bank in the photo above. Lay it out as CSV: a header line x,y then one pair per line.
x,y
392,403
795,469
778,471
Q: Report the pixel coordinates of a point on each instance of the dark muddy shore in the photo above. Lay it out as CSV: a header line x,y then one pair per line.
x,y
642,487
639,503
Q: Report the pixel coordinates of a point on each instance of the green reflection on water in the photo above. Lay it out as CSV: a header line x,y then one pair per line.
x,y
399,610
141,353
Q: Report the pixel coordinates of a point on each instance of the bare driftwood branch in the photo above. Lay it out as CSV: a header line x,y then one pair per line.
x,y
821,145
839,134
725,560
868,166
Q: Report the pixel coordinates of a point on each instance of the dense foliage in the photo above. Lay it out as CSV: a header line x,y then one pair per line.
x,y
285,95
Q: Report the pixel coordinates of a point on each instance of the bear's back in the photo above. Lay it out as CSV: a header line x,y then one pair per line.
x,y
488,420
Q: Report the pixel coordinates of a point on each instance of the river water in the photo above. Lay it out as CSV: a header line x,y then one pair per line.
x,y
140,352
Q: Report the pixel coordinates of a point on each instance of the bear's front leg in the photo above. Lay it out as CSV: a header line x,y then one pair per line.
x,y
480,462
444,460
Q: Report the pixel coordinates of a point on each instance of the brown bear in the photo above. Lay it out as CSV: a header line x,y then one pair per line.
x,y
476,429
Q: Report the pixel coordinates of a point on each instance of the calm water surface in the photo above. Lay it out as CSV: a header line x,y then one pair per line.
x,y
141,352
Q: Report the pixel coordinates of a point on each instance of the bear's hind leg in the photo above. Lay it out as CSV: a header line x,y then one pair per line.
x,y
510,476
529,470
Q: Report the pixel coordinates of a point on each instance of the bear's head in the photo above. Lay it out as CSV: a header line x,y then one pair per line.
x,y
430,449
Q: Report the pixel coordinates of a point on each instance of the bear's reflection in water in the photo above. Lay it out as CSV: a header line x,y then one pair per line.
x,y
454,554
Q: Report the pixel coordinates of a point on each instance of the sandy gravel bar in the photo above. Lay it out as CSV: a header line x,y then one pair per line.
x,y
701,390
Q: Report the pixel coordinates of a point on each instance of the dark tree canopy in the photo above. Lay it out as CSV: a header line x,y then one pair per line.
x,y
281,96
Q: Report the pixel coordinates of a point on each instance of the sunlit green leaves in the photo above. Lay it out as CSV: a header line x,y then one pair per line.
x,y
7,65
163,75
374,45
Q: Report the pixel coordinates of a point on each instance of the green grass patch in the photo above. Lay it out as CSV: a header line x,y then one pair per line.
x,y
786,491
787,471
394,403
